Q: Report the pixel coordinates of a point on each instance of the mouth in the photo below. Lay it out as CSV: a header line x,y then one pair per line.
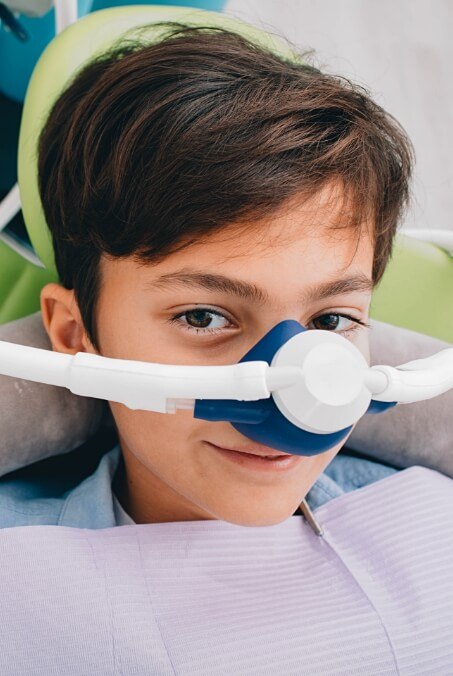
x,y
272,461
261,451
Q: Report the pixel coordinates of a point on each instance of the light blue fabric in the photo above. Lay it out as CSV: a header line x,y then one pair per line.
x,y
344,474
90,503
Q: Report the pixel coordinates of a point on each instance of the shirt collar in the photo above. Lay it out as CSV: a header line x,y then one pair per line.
x,y
90,504
122,518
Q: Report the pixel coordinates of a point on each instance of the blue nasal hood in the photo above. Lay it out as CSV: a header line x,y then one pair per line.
x,y
261,420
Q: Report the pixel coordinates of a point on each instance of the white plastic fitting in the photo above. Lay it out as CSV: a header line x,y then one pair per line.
x,y
417,380
332,393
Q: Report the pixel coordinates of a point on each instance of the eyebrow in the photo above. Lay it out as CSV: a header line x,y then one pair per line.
x,y
199,279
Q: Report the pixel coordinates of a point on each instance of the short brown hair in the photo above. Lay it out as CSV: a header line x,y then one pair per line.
x,y
153,147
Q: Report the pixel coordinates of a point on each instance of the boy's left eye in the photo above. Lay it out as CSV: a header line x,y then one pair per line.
x,y
327,322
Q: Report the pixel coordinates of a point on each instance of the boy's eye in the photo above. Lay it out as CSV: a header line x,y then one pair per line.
x,y
200,321
333,320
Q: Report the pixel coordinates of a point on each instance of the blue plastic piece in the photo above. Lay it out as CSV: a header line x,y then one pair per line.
x,y
17,59
380,406
261,420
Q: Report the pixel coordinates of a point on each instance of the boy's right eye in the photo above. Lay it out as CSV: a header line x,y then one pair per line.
x,y
200,317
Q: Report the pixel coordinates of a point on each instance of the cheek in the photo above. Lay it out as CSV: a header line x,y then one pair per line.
x,y
362,343
151,435
321,461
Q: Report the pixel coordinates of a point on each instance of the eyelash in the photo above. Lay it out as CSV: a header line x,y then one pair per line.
x,y
176,320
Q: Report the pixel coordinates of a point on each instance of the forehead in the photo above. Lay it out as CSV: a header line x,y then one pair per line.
x,y
306,240
322,225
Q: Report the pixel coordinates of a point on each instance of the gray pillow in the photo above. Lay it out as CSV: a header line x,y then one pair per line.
x,y
39,421
408,434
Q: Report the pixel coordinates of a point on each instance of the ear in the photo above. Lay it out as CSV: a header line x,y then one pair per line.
x,y
62,320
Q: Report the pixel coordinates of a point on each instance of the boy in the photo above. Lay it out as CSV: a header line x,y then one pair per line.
x,y
199,191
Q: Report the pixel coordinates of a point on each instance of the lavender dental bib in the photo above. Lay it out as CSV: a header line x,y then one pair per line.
x,y
374,595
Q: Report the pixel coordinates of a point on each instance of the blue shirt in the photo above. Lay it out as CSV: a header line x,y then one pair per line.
x,y
91,503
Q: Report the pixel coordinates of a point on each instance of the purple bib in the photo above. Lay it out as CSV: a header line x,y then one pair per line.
x,y
373,596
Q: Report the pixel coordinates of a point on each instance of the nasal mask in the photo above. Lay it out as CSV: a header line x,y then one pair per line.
x,y
296,390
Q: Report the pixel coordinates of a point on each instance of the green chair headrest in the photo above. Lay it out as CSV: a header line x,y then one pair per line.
x,y
65,55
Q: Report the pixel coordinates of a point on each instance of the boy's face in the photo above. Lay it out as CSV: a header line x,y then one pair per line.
x,y
171,472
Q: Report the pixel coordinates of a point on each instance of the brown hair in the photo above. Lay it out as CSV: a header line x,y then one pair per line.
x,y
153,147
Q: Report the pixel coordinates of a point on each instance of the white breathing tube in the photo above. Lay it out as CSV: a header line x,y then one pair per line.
x,y
319,380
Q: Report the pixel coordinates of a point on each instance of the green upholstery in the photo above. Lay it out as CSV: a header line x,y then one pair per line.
x,y
416,291
20,285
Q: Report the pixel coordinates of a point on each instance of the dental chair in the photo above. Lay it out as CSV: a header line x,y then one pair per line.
x,y
167,598
411,308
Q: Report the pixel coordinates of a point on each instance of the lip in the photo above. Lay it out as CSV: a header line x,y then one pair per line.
x,y
260,451
279,463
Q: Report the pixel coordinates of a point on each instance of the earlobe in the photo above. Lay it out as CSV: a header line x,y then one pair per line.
x,y
61,319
